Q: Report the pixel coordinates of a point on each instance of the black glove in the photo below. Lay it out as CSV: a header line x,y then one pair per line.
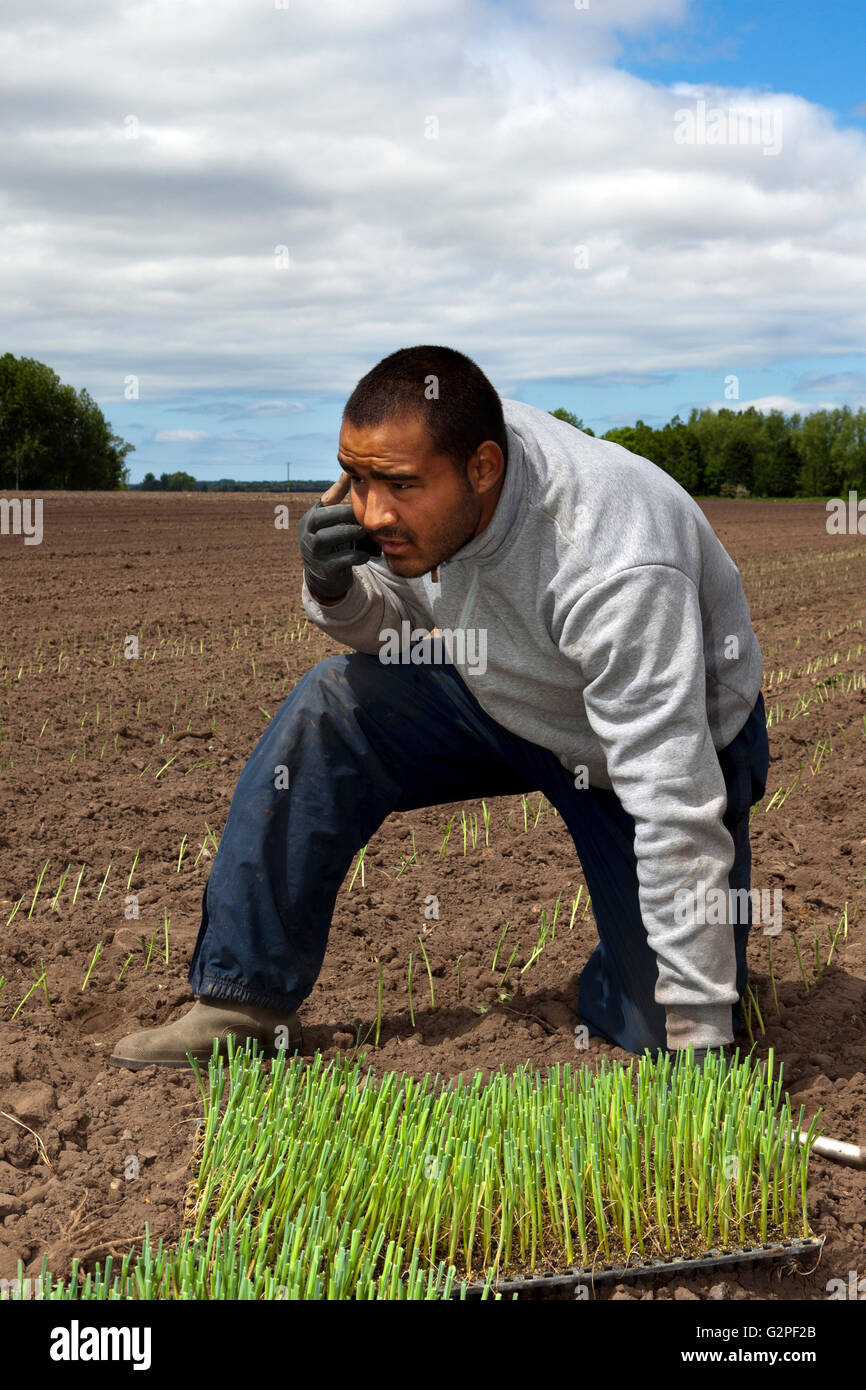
x,y
331,542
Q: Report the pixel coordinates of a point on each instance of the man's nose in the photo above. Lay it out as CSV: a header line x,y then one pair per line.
x,y
379,512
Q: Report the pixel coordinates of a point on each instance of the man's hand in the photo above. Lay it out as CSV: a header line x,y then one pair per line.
x,y
331,543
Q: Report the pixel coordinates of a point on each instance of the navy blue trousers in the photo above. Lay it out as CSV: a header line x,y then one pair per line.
x,y
357,740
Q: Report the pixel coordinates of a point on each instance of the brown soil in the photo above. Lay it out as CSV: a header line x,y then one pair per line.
x,y
213,587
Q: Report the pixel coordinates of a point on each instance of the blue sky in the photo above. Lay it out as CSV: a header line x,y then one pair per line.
x,y
217,217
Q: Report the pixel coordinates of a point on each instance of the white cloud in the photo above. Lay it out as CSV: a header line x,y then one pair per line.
x,y
307,128
765,404
180,436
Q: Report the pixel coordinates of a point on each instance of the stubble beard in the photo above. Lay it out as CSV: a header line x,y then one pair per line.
x,y
456,531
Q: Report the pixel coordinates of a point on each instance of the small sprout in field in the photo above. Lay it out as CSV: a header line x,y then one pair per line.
x,y
96,955
443,849
39,982
509,965
800,960
411,1009
359,864
104,881
63,879
498,948
78,883
835,936
14,910
773,979
754,999
38,886
379,1006
132,870
180,856
150,949
166,926
123,968
429,973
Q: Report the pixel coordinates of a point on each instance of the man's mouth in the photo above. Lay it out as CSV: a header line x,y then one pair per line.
x,y
391,547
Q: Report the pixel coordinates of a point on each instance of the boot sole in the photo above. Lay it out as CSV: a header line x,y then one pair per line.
x,y
138,1064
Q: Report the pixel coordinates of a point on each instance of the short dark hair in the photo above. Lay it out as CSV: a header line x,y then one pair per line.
x,y
460,408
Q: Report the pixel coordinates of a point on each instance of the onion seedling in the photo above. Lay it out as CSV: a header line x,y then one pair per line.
x,y
773,978
378,1007
443,848
411,1008
38,886
78,883
132,870
429,973
498,948
754,999
509,965
63,879
104,881
359,864
800,960
96,955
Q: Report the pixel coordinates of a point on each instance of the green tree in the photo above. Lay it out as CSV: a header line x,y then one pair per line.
x,y
571,419
738,461
177,482
52,436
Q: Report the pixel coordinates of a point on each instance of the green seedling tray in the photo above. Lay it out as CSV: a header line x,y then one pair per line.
x,y
536,1285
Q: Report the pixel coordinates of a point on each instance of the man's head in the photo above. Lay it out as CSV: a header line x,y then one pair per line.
x,y
424,444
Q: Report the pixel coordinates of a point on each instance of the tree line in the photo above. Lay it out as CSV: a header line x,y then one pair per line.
x,y
185,482
747,453
52,436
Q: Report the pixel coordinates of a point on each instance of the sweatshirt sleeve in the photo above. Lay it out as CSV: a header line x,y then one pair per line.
x,y
377,600
638,639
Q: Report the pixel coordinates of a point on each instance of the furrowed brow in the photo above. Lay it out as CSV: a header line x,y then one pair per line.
x,y
388,476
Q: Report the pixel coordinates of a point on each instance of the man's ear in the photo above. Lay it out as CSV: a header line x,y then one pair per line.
x,y
486,468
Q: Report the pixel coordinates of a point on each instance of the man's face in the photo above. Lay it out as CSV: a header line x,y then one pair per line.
x,y
411,500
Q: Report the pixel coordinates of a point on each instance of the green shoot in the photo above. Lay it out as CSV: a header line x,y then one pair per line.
x,y
359,864
96,955
429,973
38,886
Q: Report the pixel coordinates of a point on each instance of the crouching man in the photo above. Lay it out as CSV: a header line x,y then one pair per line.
x,y
621,677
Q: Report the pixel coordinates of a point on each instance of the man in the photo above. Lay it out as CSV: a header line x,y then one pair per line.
x,y
620,676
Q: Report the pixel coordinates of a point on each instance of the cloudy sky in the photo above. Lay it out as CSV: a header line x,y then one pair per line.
x,y
218,214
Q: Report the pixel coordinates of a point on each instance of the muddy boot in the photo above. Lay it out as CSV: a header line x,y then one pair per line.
x,y
208,1019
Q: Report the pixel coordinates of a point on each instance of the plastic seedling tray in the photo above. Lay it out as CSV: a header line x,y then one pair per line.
x,y
535,1285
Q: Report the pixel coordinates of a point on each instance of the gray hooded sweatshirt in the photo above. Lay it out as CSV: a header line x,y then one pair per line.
x,y
619,637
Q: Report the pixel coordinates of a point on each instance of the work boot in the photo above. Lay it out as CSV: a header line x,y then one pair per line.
x,y
208,1019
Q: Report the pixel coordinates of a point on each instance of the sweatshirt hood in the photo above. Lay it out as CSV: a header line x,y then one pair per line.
x,y
504,525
